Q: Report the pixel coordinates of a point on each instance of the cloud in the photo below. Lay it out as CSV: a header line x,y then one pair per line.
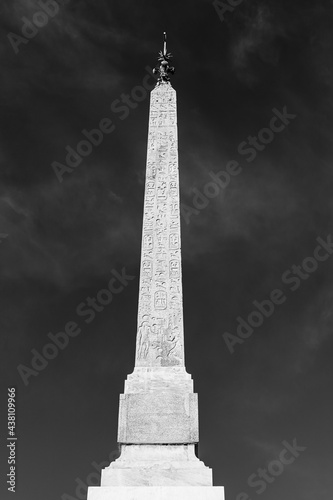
x,y
257,39
65,233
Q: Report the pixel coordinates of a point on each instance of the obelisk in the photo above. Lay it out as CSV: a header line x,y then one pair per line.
x,y
158,413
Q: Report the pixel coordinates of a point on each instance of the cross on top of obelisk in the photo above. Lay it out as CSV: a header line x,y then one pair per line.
x,y
164,69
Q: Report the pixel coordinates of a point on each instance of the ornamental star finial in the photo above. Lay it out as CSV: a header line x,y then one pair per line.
x,y
163,70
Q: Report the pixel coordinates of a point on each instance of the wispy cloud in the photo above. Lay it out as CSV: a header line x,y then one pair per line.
x,y
41,219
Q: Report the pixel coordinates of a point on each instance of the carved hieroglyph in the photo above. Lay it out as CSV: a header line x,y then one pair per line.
x,y
160,315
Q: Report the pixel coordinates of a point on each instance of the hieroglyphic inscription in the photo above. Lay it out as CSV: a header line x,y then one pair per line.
x,y
160,315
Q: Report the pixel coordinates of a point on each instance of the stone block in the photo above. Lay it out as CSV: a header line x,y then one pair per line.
x,y
155,465
158,418
156,493
172,379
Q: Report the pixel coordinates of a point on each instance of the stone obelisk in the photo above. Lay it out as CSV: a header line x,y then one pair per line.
x,y
158,413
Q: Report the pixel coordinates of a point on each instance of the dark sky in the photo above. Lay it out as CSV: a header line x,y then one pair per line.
x,y
61,240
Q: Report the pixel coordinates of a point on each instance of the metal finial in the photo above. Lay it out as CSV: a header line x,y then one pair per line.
x,y
165,43
163,70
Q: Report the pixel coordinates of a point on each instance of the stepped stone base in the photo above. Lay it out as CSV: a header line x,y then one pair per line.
x,y
156,465
156,493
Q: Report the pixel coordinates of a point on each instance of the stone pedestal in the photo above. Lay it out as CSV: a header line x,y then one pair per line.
x,y
156,493
158,407
156,465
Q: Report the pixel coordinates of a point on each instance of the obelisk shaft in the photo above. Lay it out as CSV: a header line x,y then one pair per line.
x,y
160,337
158,406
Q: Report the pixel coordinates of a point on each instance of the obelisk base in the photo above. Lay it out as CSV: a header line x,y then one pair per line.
x,y
155,493
157,465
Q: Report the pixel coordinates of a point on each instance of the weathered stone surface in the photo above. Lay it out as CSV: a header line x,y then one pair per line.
x,y
156,493
158,417
155,465
172,378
